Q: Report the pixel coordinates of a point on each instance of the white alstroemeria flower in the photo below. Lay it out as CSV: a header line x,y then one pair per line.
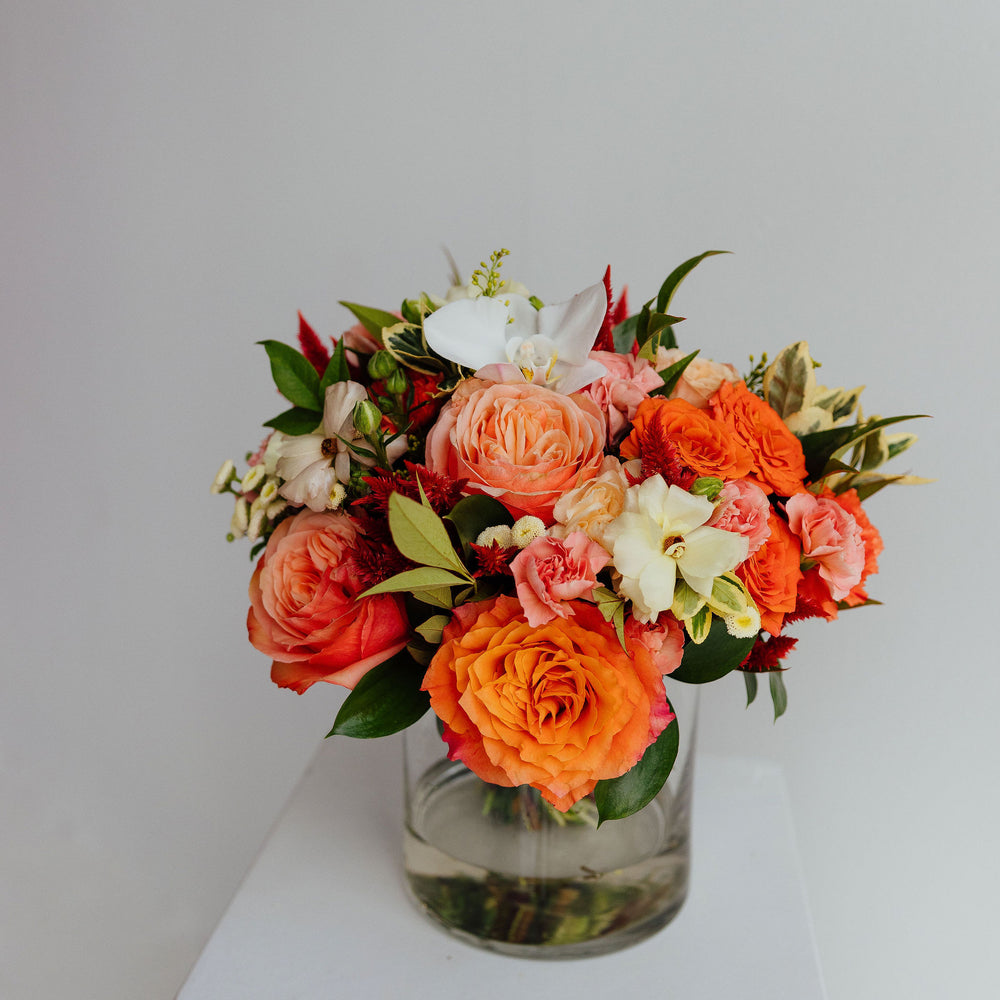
x,y
662,533
506,338
312,464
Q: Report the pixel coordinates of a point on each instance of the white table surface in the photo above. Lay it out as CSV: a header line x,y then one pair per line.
x,y
323,914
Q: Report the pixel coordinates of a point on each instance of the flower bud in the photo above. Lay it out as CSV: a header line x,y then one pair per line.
x,y
268,491
256,524
395,383
367,417
707,486
381,364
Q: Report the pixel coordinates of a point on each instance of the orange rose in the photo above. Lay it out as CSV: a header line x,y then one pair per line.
x,y
703,444
521,443
304,610
777,460
772,575
558,707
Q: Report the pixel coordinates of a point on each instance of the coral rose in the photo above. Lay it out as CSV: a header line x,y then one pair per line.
x,y
778,462
524,444
559,707
703,444
772,575
304,610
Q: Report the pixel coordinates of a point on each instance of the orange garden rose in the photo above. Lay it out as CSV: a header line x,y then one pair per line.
x,y
704,445
772,575
524,444
304,610
778,462
558,707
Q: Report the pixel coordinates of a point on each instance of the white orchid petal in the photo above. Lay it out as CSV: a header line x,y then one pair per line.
x,y
572,378
574,325
523,314
501,372
685,511
470,332
636,543
707,555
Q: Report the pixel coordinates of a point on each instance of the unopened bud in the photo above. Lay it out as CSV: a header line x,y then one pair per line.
x,y
395,383
707,486
381,364
367,417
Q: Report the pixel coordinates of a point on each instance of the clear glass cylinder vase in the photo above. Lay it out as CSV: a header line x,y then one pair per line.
x,y
501,869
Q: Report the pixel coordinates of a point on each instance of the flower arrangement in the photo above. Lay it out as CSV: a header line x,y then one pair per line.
x,y
522,516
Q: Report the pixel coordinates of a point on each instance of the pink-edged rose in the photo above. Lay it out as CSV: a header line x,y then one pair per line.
x,y
304,606
743,507
663,637
551,572
628,382
522,443
700,380
831,538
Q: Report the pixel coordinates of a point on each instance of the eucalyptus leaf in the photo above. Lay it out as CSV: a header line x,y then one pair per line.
x,y
386,700
295,421
619,797
421,535
294,376
714,658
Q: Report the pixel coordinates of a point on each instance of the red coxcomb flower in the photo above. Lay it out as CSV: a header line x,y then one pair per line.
x,y
767,654
312,347
494,560
659,456
604,341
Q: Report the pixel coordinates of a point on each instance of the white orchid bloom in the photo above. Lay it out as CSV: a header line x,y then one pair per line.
x,y
506,338
661,534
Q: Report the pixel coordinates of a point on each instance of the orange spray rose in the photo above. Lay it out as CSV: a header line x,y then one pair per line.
x,y
772,575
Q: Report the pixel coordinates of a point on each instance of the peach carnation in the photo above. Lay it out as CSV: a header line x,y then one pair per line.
x,y
831,538
524,444
559,707
743,507
304,607
850,501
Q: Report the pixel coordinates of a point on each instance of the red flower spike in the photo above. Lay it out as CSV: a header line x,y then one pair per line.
x,y
494,560
659,456
605,341
767,654
312,347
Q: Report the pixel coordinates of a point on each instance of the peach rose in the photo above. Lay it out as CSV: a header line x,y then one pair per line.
x,y
772,575
700,380
521,443
704,445
777,460
618,394
743,507
593,505
831,538
304,611
551,573
559,707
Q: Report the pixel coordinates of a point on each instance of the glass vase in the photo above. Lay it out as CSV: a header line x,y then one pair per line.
x,y
501,869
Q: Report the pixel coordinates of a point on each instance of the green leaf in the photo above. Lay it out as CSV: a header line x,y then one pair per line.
x,y
373,320
336,368
297,420
386,699
750,679
790,381
422,578
778,694
617,798
714,658
699,625
432,628
672,375
294,376
624,334
676,276
474,514
421,535
820,447
438,597
728,596
612,608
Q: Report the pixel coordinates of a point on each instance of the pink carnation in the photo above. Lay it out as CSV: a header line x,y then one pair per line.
x,y
628,382
831,538
551,572
664,638
743,508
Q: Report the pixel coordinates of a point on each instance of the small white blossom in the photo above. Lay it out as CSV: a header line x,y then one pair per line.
x,y
743,625
268,491
256,525
241,518
223,477
499,533
526,530
256,474
276,508
337,496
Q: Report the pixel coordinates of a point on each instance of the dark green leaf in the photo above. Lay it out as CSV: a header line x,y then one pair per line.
x,y
676,276
294,376
386,699
373,320
297,420
336,369
713,658
472,515
617,798
750,679
778,693
820,447
672,375
624,334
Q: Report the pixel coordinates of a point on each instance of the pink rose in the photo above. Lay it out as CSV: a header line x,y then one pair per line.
x,y
550,572
701,378
831,538
664,638
743,508
521,443
628,382
304,609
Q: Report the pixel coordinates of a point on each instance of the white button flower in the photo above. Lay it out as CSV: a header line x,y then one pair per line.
x,y
662,533
506,338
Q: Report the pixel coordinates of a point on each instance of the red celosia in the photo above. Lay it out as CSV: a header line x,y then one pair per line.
x,y
494,560
442,492
375,556
312,347
615,314
660,456
767,654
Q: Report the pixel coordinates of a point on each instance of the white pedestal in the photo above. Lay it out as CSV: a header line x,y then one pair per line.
x,y
323,914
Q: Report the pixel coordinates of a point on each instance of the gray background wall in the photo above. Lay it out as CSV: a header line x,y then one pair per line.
x,y
179,178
